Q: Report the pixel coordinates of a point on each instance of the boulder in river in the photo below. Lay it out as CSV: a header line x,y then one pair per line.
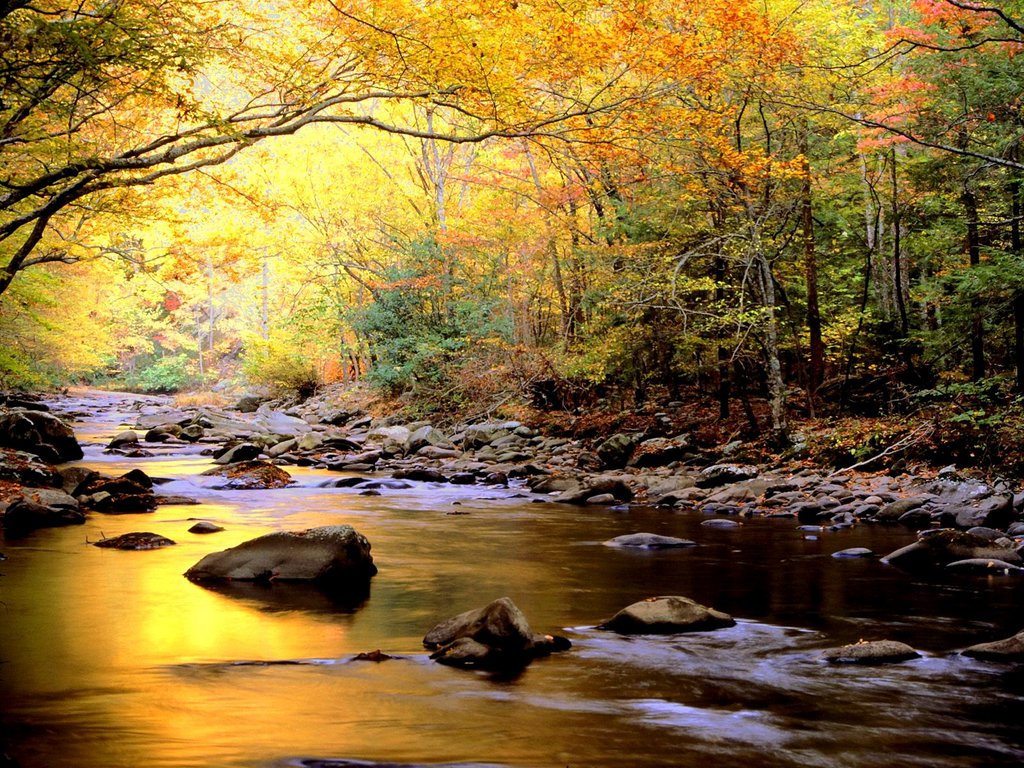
x,y
40,433
666,616
331,556
237,453
27,469
649,541
24,515
249,475
875,652
495,636
935,549
121,439
130,493
723,474
137,540
1009,649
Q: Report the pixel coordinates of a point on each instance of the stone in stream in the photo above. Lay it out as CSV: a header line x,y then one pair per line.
x,y
122,439
237,453
665,616
205,526
720,522
130,493
27,469
335,556
1008,649
853,552
876,652
23,515
137,540
495,636
249,475
936,549
649,541
39,433
724,474
984,566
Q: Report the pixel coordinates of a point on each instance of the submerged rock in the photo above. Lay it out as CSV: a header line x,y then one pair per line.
x,y
335,555
939,548
876,652
853,552
497,635
205,526
666,615
1008,649
648,541
249,475
140,540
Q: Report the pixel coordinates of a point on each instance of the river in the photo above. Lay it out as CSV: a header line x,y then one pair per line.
x,y
111,658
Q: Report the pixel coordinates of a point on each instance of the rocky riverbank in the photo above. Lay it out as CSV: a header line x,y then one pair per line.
x,y
252,444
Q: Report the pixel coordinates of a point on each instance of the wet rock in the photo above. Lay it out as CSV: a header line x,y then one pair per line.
x,y
462,478
616,451
984,566
495,478
27,469
720,522
420,474
875,652
130,493
497,635
427,436
127,438
40,433
192,433
723,474
659,452
171,500
992,512
249,475
376,656
205,526
854,552
648,541
894,510
140,540
23,515
605,499
666,615
162,433
939,548
248,403
1009,649
235,454
335,556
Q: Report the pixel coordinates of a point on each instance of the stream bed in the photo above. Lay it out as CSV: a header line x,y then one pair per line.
x,y
112,658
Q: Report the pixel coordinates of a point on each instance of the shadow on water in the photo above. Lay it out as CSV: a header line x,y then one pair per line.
x,y
282,596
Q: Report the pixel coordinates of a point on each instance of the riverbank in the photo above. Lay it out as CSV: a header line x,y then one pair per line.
x,y
230,675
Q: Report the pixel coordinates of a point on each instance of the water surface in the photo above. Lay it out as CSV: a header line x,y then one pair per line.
x,y
112,658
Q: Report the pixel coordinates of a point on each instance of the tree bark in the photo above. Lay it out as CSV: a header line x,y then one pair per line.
x,y
970,202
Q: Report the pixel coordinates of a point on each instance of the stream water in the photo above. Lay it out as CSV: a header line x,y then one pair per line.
x,y
111,658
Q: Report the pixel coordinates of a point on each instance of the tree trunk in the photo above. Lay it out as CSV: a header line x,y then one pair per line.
x,y
1018,299
776,385
816,371
970,202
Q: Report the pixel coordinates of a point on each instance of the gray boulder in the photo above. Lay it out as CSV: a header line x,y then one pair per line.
x,y
121,439
939,548
723,474
27,469
241,452
876,652
649,541
335,556
497,635
853,552
666,615
40,433
138,541
986,566
23,515
249,475
1009,649
616,451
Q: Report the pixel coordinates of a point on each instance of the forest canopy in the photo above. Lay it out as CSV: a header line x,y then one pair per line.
x,y
812,204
